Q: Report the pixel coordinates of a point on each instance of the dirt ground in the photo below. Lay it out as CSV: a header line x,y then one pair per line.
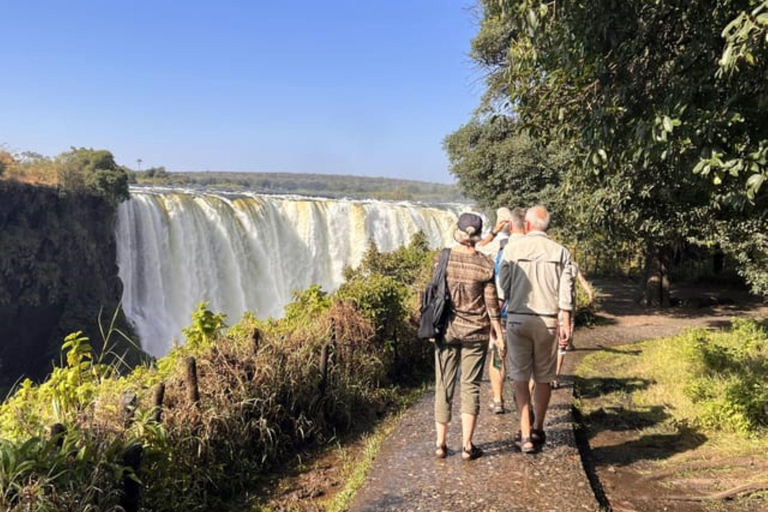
x,y
668,471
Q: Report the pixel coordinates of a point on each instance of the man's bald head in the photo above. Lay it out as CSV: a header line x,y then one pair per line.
x,y
537,218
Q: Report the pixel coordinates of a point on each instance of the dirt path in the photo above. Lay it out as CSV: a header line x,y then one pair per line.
x,y
406,476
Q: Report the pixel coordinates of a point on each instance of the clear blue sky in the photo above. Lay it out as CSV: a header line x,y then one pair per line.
x,y
321,86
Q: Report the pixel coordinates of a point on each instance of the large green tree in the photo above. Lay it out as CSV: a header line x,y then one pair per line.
x,y
498,166
671,123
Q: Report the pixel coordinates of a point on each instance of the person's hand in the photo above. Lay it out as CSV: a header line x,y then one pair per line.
x,y
501,345
564,335
500,226
500,341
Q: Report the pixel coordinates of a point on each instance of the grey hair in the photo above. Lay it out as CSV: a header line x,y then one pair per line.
x,y
517,220
465,238
538,217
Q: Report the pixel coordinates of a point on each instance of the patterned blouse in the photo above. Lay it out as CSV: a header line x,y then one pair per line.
x,y
474,301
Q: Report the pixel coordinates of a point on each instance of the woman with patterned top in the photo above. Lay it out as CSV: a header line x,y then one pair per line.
x,y
473,312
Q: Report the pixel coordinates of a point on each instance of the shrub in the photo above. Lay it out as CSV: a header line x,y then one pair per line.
x,y
727,381
259,402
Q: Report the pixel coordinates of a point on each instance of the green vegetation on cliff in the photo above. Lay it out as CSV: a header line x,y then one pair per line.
x,y
57,264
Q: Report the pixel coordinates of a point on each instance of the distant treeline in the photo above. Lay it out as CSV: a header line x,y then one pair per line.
x,y
327,185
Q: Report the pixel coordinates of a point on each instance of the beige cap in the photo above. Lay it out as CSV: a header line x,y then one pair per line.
x,y
503,213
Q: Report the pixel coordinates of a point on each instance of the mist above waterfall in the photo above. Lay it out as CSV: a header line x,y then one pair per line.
x,y
247,253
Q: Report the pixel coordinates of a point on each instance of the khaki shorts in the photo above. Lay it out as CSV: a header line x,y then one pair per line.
x,y
532,348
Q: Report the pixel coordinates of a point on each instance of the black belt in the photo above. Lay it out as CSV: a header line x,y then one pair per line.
x,y
553,315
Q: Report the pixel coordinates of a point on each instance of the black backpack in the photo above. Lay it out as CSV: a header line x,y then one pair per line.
x,y
434,302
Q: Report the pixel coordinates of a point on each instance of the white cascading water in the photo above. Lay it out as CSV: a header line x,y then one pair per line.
x,y
247,253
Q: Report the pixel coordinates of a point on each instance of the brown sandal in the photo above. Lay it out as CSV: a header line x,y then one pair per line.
x,y
527,445
441,451
473,453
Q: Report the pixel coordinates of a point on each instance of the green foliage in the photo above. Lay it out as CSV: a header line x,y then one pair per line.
x,y
79,476
668,125
69,390
380,298
405,265
205,326
94,172
307,306
57,271
497,165
701,381
727,382
258,405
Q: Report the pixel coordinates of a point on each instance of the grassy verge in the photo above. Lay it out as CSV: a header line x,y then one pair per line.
x,y
329,479
359,464
690,410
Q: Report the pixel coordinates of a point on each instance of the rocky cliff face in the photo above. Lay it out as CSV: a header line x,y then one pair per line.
x,y
57,272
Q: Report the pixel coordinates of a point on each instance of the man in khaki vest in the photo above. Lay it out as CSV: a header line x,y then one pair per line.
x,y
536,280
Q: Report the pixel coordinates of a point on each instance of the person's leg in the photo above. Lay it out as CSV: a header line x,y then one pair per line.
x,y
523,403
446,367
472,362
541,396
497,380
520,348
544,368
559,370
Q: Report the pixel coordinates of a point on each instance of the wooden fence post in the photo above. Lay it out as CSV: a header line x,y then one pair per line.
x,y
193,392
130,401
255,341
157,402
58,431
324,368
131,489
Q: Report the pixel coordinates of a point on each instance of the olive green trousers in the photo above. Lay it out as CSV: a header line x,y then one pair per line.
x,y
449,358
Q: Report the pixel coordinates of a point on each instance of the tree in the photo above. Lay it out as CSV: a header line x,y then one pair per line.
x,y
92,171
672,142
498,166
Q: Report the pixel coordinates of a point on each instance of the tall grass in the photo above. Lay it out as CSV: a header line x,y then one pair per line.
x,y
260,400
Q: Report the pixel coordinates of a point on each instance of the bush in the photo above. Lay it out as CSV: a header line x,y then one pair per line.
x,y
321,372
727,381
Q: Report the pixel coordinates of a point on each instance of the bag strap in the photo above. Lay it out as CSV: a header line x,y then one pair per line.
x,y
442,266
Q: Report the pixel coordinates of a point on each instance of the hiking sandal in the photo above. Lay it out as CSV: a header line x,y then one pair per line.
x,y
473,453
538,437
555,384
527,445
441,451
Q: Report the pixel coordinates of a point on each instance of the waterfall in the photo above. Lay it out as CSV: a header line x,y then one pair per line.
x,y
247,252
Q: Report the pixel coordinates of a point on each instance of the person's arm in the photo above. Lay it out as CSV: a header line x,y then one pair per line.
x,y
565,328
494,232
494,312
587,288
565,299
